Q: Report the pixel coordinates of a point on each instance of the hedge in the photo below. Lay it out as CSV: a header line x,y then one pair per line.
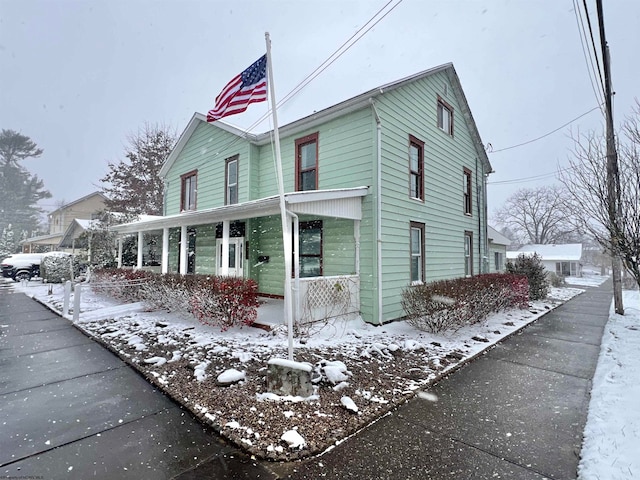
x,y
452,304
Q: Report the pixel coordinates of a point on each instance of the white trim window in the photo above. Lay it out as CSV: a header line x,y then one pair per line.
x,y
417,253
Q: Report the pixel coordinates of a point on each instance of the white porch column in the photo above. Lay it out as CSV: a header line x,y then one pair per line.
x,y
184,249
119,241
224,265
356,236
140,244
165,250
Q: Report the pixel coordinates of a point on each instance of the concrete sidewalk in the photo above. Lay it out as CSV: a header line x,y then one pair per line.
x,y
517,412
69,408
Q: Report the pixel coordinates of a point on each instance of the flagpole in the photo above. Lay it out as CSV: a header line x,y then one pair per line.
x,y
286,224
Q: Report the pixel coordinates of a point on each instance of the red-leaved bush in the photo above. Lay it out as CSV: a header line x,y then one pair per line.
x,y
220,301
452,304
225,302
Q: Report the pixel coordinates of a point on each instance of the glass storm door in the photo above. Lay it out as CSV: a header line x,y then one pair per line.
x,y
236,257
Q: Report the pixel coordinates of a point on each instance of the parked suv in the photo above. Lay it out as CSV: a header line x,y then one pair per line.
x,y
21,266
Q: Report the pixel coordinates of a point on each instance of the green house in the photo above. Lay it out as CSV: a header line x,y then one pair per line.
x,y
386,189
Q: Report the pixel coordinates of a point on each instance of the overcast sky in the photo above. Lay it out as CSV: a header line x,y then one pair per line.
x,y
79,76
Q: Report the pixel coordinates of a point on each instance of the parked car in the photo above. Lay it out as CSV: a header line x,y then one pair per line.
x,y
21,266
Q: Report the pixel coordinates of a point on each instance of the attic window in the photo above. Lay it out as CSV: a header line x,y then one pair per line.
x,y
445,90
445,116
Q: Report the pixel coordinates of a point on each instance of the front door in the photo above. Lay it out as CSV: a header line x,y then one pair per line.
x,y
236,257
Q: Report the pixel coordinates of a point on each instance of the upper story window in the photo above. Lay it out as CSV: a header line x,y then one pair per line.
x,y
416,168
188,191
307,163
231,181
417,252
466,190
445,116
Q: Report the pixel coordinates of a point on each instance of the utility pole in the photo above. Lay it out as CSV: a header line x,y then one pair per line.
x,y
613,179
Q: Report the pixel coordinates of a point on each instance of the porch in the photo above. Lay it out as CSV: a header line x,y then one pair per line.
x,y
245,240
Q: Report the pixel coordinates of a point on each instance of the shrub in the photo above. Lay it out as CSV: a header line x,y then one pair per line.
x,y
452,304
220,301
225,302
124,284
532,268
555,280
55,267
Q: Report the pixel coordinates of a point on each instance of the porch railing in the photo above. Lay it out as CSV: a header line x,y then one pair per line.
x,y
323,298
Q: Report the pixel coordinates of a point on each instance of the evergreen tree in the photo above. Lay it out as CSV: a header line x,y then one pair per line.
x,y
133,186
7,242
21,191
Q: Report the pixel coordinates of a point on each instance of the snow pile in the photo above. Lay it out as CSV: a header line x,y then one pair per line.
x,y
156,361
334,372
612,433
199,371
349,404
293,439
231,376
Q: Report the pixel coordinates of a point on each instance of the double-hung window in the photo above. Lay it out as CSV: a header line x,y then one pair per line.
x,y
468,254
310,252
307,163
416,168
417,252
466,190
445,116
231,181
188,191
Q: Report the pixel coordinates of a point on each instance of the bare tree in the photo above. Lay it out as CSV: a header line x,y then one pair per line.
x,y
585,180
536,215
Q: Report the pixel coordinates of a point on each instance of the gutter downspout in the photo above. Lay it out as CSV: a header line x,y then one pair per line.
x,y
296,267
481,263
378,206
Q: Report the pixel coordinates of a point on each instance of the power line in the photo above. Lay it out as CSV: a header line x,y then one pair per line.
x,y
527,179
587,56
546,134
322,67
593,43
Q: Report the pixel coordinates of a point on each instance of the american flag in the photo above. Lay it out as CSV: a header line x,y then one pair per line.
x,y
244,89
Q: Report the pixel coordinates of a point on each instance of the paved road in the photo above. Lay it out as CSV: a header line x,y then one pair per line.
x,y
517,412
69,408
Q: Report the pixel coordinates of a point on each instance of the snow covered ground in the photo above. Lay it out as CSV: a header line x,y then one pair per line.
x,y
611,448
365,370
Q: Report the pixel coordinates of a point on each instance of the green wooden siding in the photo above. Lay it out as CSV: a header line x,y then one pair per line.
x,y
412,110
206,152
347,157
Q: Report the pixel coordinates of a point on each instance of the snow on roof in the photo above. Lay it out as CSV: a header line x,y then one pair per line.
x,y
567,251
496,237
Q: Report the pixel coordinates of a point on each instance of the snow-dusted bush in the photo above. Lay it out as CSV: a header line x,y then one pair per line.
x,y
56,267
123,284
220,301
452,304
171,292
555,280
225,301
532,268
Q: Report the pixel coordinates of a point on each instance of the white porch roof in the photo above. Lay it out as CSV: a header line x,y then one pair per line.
x,y
340,203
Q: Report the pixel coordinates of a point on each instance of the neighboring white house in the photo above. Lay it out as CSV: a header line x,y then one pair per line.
x,y
498,244
564,260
